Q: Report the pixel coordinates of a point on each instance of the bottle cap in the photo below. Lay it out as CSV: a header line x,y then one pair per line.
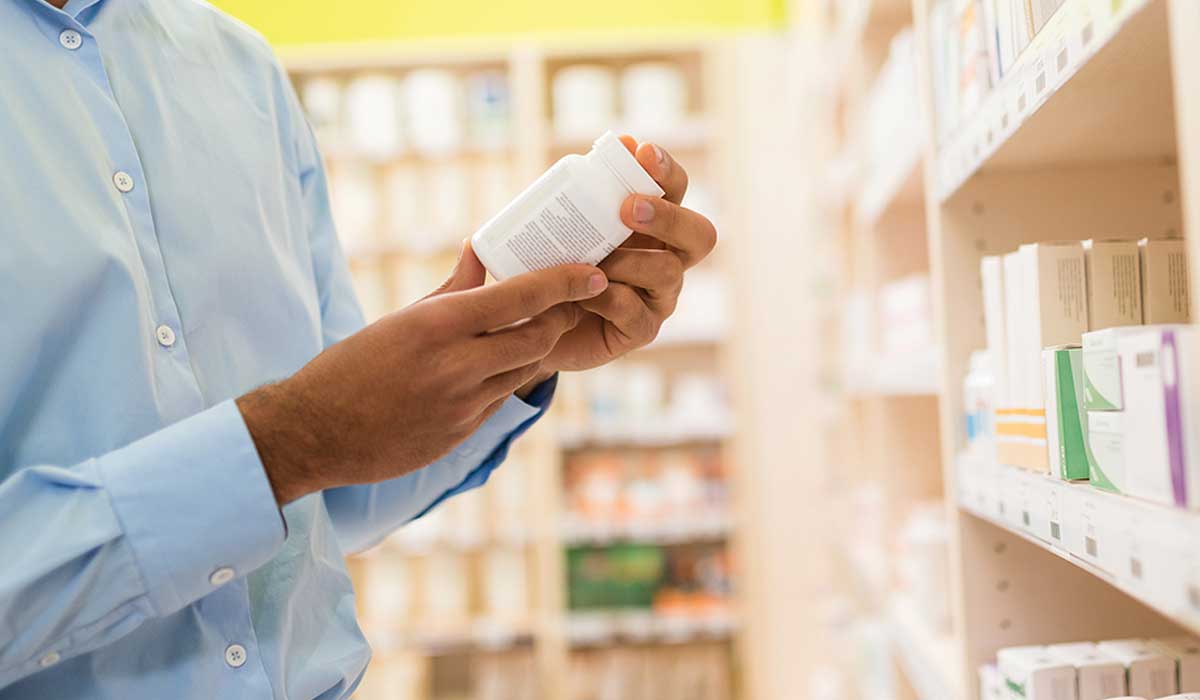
x,y
622,163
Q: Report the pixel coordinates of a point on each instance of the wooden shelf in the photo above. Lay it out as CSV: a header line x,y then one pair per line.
x,y
700,529
1147,551
591,629
930,660
1091,88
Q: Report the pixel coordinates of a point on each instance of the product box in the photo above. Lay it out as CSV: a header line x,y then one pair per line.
x,y
1165,281
1031,673
1151,673
1106,450
1114,283
1066,421
1102,370
1097,675
1040,12
1186,652
991,272
1154,424
991,684
1045,305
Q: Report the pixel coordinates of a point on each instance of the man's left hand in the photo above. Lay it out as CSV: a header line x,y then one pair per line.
x,y
645,274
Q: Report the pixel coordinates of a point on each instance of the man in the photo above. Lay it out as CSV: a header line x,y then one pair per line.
x,y
195,428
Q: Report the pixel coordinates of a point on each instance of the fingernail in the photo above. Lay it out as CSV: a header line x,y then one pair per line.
x,y
597,283
660,157
643,211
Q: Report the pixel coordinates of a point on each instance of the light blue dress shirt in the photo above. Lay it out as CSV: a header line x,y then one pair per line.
x,y
166,245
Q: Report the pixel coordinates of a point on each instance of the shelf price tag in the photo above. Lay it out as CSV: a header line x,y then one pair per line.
x,y
1055,493
1090,535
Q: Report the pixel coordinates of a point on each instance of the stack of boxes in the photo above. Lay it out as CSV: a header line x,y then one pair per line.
x,y
1125,668
1080,383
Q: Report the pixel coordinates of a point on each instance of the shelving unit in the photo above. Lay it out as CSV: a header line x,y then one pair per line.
x,y
392,266
1089,136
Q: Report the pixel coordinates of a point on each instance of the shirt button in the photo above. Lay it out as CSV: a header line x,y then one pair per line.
x,y
70,39
221,576
49,659
166,336
235,655
123,181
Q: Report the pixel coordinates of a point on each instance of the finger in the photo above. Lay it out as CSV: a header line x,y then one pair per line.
x,y
686,232
530,341
468,272
501,386
669,174
658,273
633,321
526,295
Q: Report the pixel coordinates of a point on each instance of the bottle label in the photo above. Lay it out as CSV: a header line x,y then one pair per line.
x,y
561,232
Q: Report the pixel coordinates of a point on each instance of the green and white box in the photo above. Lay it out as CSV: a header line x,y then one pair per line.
x,y
1031,673
1151,673
1098,676
1102,369
1106,450
1066,420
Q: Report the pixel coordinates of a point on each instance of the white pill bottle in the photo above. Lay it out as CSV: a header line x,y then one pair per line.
x,y
571,214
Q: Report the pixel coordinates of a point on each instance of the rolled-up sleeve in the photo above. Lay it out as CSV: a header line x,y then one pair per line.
x,y
94,549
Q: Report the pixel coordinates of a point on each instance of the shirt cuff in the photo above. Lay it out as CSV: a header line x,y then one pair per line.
x,y
193,500
488,446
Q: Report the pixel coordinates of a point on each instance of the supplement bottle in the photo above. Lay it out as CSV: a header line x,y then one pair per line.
x,y
571,214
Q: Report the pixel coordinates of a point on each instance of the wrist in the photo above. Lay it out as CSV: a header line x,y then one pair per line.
x,y
542,377
287,447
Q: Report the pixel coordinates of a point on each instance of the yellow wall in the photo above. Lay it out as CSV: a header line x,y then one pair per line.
x,y
317,21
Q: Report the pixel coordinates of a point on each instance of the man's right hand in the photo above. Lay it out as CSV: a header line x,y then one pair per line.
x,y
407,389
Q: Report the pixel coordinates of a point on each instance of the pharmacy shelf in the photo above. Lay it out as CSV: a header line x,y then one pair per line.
x,y
592,629
930,660
897,182
679,531
478,636
1093,87
1147,551
915,373
647,434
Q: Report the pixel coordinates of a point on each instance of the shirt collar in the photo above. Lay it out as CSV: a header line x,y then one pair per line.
x,y
71,9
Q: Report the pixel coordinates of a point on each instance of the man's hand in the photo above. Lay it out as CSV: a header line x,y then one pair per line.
x,y
407,389
646,273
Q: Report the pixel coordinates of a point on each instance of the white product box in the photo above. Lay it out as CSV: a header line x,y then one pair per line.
x,y
1036,674
1186,652
1154,425
1041,11
991,272
1014,330
1106,450
1102,369
1114,281
1097,675
1164,281
1151,673
991,683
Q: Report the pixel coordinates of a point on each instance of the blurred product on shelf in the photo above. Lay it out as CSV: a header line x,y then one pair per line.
x,y
1114,283
1108,670
889,339
654,97
373,117
322,100
923,564
906,315
356,206
892,114
584,101
699,672
979,404
1066,420
687,582
489,111
660,495
1165,288
638,402
434,104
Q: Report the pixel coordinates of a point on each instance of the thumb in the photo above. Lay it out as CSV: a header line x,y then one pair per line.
x,y
468,273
